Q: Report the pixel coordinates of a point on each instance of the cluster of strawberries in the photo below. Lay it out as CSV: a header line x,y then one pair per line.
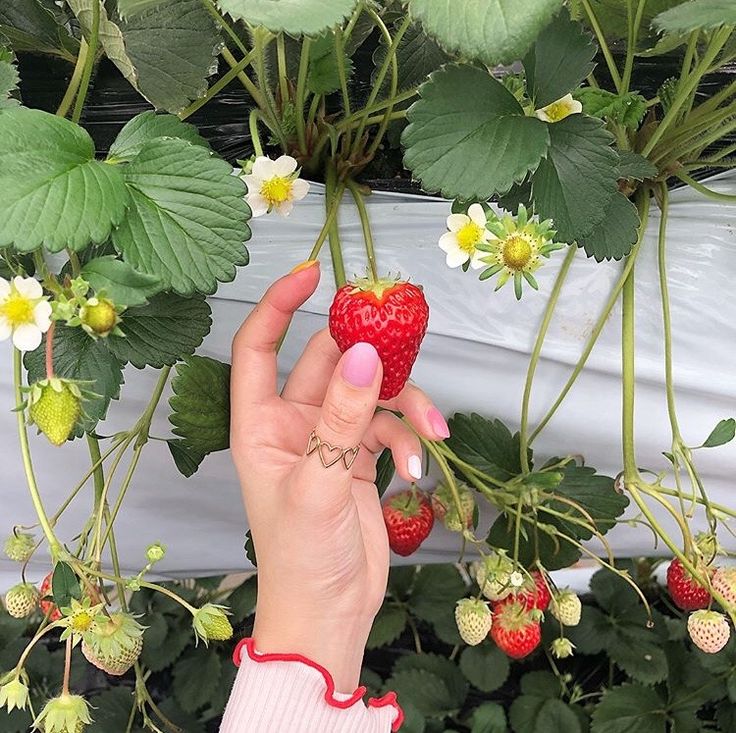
x,y
708,629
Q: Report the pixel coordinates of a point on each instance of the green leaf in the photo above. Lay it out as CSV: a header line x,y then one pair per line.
x,y
561,57
186,459
9,78
119,281
575,183
630,709
615,236
624,109
323,76
541,683
385,470
468,137
188,221
173,48
162,332
491,31
644,661
64,585
127,8
485,666
149,126
424,690
388,625
635,167
296,17
435,592
201,404
536,714
250,549
78,356
486,444
722,433
242,601
31,26
439,666
704,15
158,658
54,192
400,580
196,677
489,717
111,710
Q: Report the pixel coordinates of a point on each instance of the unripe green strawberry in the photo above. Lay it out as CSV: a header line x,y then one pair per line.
x,y
474,619
562,648
55,407
19,547
445,508
724,582
709,630
99,317
113,644
211,623
21,600
566,608
114,664
64,714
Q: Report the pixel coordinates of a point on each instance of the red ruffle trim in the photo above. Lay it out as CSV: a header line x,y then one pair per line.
x,y
389,699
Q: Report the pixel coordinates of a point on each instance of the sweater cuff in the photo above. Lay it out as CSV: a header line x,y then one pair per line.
x,y
288,692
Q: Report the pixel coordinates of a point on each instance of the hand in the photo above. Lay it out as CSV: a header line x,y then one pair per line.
x,y
319,534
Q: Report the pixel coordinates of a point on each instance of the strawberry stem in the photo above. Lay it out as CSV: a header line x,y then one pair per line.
x,y
50,351
365,224
67,666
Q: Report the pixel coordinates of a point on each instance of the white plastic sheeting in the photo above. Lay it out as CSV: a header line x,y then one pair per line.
x,y
473,359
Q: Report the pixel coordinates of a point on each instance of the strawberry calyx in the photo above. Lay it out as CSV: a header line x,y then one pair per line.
x,y
376,290
407,503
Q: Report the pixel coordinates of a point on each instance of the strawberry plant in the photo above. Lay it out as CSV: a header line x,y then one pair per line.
x,y
532,118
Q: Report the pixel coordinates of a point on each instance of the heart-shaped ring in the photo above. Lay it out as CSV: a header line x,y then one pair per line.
x,y
330,454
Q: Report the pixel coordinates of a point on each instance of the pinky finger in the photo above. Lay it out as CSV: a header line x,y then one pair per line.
x,y
388,430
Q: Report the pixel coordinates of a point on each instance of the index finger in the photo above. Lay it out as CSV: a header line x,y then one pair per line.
x,y
254,373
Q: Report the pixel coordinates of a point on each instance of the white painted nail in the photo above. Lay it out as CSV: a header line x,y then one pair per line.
x,y
414,466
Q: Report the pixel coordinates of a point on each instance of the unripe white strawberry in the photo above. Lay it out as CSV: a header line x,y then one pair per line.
x,y
21,600
709,630
566,607
724,582
473,619
19,547
114,645
493,574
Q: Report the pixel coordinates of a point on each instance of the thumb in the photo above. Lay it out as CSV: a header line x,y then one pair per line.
x,y
347,411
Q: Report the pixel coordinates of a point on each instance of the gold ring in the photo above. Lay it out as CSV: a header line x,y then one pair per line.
x,y
330,454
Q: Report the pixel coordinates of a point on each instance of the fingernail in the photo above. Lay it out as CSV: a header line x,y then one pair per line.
x,y
438,423
360,365
304,266
414,466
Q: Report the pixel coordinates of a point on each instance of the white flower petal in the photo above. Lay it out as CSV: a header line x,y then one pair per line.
x,y
477,215
42,315
4,289
456,257
448,242
263,168
253,183
27,337
475,260
29,287
5,329
284,166
576,107
284,208
299,189
455,222
540,114
258,204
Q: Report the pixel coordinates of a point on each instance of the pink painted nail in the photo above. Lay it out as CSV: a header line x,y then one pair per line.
x,y
360,365
438,423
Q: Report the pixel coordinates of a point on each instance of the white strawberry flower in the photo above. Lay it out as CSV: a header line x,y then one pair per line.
x,y
274,185
466,232
25,314
559,109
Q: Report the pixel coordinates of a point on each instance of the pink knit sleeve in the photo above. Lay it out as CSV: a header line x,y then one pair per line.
x,y
287,693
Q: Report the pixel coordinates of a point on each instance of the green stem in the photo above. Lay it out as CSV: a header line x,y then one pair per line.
x,y
96,457
54,545
222,23
301,91
283,73
261,44
255,138
709,192
357,117
696,143
342,76
537,351
217,87
74,82
628,379
595,25
365,224
313,107
631,46
333,195
245,80
602,320
332,205
121,496
89,62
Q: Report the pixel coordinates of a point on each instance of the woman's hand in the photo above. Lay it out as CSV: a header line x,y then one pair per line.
x,y
319,534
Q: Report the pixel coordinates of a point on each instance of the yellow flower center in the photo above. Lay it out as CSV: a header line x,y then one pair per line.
x,y
276,190
17,309
557,111
81,621
516,252
469,236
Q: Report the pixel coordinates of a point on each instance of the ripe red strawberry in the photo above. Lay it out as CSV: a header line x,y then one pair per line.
x,y
45,604
409,519
534,593
516,630
686,592
391,315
